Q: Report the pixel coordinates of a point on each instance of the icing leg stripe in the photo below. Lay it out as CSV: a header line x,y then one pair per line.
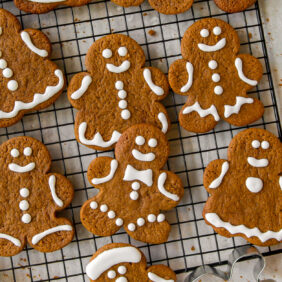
x,y
145,176
217,181
50,91
27,40
86,81
240,101
110,258
203,113
148,78
114,166
163,121
214,219
190,71
239,67
52,185
38,237
10,238
161,181
98,139
156,278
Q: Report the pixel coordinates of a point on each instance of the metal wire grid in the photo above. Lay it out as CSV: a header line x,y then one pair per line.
x,y
72,31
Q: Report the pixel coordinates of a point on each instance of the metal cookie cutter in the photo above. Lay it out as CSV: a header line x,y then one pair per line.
x,y
236,255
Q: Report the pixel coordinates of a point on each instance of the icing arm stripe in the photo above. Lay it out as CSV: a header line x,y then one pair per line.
x,y
280,182
161,181
213,48
217,182
27,40
98,139
145,176
86,81
240,101
214,219
203,113
21,169
190,71
148,78
114,166
149,157
10,238
257,163
46,1
38,237
156,278
121,279
52,186
110,258
239,67
163,121
122,68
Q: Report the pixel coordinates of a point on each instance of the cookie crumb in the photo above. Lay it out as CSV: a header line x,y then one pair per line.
x,y
152,32
192,248
145,14
250,35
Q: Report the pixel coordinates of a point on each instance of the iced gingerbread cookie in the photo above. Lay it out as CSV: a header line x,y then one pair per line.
x,y
246,190
44,6
234,6
123,262
116,92
168,7
30,197
29,80
215,78
133,188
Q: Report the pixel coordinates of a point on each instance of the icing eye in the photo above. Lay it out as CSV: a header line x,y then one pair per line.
x,y
204,33
122,51
265,145
122,269
140,140
111,274
255,144
27,151
107,53
15,153
217,30
153,143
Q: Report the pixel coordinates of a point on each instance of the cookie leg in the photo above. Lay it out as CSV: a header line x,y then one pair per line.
x,y
10,242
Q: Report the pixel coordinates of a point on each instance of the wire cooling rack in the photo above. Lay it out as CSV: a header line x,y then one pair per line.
x,y
72,31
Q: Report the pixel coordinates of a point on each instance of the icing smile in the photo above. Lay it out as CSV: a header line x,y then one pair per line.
x,y
149,157
121,68
212,48
21,169
257,162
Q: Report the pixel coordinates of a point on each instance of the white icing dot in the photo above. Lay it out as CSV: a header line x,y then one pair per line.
x,y
125,114
265,145
111,274
119,85
26,218
27,151
135,186
93,205
134,195
122,269
140,221
24,205
3,64
213,64
103,208
140,140
122,104
153,143
215,77
15,153
122,51
151,218
255,144
122,94
119,222
24,192
217,30
204,32
131,227
218,90
7,72
161,217
107,53
13,85
111,214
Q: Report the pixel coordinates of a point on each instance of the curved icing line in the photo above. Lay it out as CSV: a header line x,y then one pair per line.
x,y
203,113
156,278
121,279
86,81
257,162
212,48
161,181
97,139
148,78
38,237
190,71
145,176
215,220
239,67
163,120
240,101
122,68
114,166
50,91
10,238
27,40
21,169
46,1
149,157
218,180
52,186
280,182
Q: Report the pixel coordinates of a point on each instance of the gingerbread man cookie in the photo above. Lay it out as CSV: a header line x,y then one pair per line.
x,y
29,80
133,188
29,199
246,189
122,262
234,6
116,92
215,78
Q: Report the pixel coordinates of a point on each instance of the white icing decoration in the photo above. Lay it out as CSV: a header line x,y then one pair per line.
x,y
24,205
27,151
26,218
161,218
265,145
239,67
122,51
15,153
122,104
151,218
255,144
50,91
149,157
257,162
213,48
161,181
156,278
47,1
3,64
153,143
145,176
163,120
135,186
122,68
24,192
111,274
109,258
52,186
122,269
1,30
140,221
119,85
97,139
213,64
93,205
107,53
218,90
216,30
85,83
125,114
111,214
122,279
109,177
215,77
280,182
134,195
38,237
254,184
131,227
21,169
104,208
7,72
27,40
10,238
140,140
13,85
148,78
203,113
119,222
217,182
122,94
240,101
190,71
204,32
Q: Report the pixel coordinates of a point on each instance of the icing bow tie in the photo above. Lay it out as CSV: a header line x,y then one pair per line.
x,y
145,176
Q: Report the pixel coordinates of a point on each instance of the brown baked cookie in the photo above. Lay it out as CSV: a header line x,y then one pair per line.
x,y
246,189
116,92
133,188
29,80
234,6
215,78
44,6
168,7
30,198
123,262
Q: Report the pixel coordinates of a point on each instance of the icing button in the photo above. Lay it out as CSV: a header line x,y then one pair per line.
x,y
111,214
122,104
122,94
13,85
140,221
26,218
215,77
213,64
218,90
135,186
24,205
24,192
131,227
161,218
111,274
93,205
134,195
125,114
119,222
119,85
103,208
3,64
151,218
7,72
122,269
